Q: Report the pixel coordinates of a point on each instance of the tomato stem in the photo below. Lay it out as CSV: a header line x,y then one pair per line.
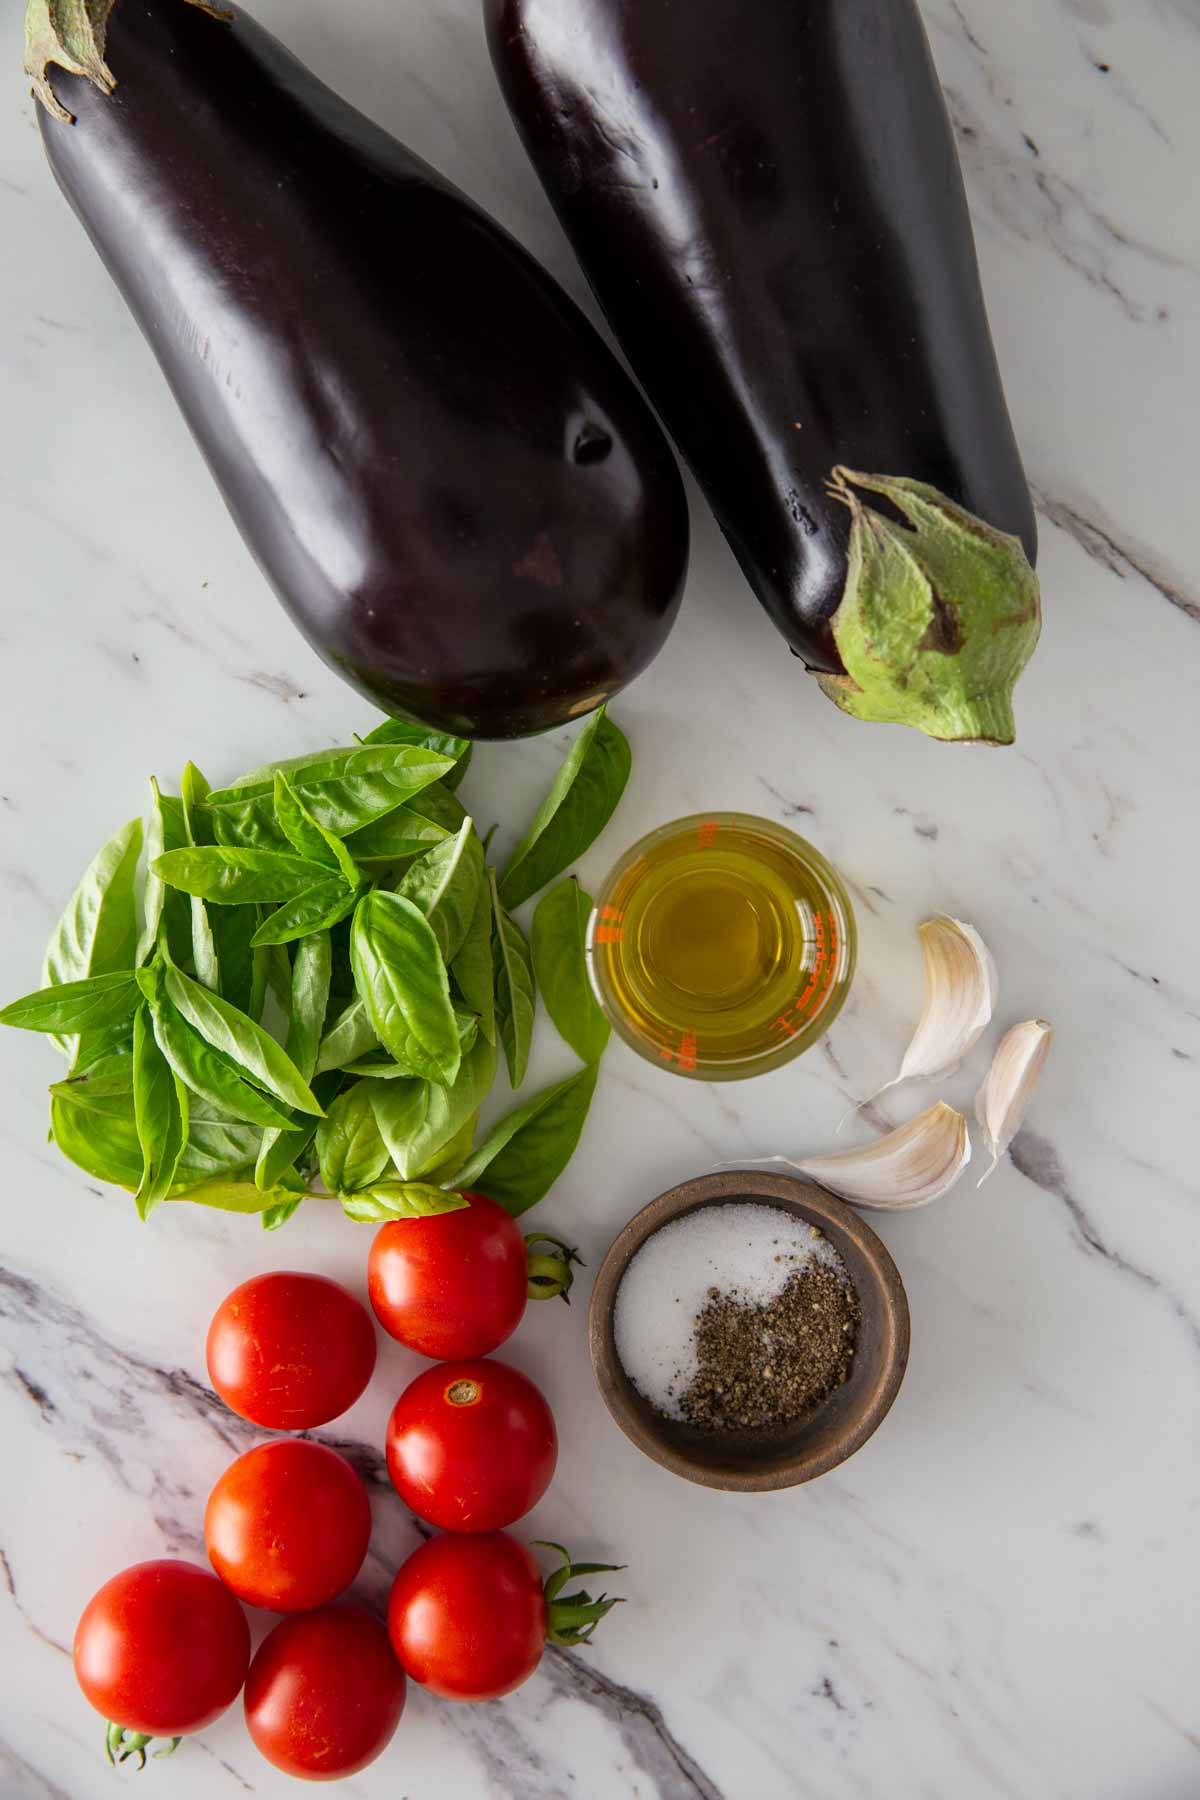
x,y
550,1271
120,1744
572,1618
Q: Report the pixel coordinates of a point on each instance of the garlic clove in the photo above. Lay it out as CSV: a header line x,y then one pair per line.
x,y
911,1166
960,997
1003,1100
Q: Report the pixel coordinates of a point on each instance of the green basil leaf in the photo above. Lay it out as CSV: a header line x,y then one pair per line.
x,y
308,1000
193,790
407,731
243,968
473,970
438,806
97,933
318,908
236,1196
76,1005
160,1110
98,1132
581,801
215,1147
350,1037
165,908
515,991
382,1066
445,884
453,1155
237,877
342,789
395,840
238,1037
208,1073
418,1119
400,1200
401,977
308,837
278,1214
99,1046
523,1156
557,939
351,1151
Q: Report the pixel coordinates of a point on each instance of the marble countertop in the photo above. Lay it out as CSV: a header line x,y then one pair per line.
x,y
998,1595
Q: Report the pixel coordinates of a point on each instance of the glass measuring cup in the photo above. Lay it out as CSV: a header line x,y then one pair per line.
x,y
721,946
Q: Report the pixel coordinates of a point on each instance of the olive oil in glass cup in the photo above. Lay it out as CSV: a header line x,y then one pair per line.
x,y
722,946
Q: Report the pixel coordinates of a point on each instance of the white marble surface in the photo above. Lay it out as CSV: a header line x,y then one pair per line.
x,y
998,1596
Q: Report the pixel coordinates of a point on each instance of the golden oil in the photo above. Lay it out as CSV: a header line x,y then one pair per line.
x,y
722,945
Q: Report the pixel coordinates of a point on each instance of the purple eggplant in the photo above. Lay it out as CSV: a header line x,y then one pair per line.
x,y
766,198
451,484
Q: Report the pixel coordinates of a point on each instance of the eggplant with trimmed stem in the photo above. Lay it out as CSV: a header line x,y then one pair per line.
x,y
452,485
766,198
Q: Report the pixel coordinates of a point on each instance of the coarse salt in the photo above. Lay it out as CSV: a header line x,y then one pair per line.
x,y
744,1249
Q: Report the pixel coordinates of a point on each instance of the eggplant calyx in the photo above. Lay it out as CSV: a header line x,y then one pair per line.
x,y
71,33
938,617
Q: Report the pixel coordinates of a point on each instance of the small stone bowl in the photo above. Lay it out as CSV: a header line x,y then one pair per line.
x,y
809,1446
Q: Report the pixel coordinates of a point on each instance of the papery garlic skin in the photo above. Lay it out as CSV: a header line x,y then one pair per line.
x,y
961,984
1003,1100
911,1166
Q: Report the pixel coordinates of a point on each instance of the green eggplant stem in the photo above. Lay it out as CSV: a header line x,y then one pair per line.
x,y
71,33
938,617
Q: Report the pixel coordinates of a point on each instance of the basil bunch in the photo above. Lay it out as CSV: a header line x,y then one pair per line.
x,y
318,984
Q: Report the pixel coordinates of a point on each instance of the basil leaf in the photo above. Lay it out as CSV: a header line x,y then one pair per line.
x,y
407,731
243,968
400,1200
560,966
309,998
237,1036
342,789
97,1130
350,1036
418,1119
472,968
397,838
308,838
236,1196
318,908
438,806
207,1073
237,877
383,1067
401,977
523,1156
515,992
193,789
76,1005
113,1043
97,932
350,1148
164,908
445,884
276,1215
215,1147
581,801
160,1110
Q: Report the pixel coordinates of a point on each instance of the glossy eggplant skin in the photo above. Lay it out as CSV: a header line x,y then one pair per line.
x,y
454,488
766,197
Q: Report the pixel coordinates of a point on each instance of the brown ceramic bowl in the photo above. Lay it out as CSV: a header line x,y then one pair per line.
x,y
840,1425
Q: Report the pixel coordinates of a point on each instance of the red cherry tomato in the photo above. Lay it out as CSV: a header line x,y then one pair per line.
x,y
162,1648
287,1525
324,1693
471,1446
467,1616
453,1285
289,1350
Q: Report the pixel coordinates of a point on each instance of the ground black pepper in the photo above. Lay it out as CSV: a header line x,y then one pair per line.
x,y
766,1365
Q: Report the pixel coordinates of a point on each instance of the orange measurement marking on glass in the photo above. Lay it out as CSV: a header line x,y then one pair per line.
x,y
784,1025
706,834
687,1051
611,912
609,934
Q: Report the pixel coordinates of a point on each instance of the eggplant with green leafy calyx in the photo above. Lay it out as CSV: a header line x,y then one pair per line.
x,y
454,488
766,197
